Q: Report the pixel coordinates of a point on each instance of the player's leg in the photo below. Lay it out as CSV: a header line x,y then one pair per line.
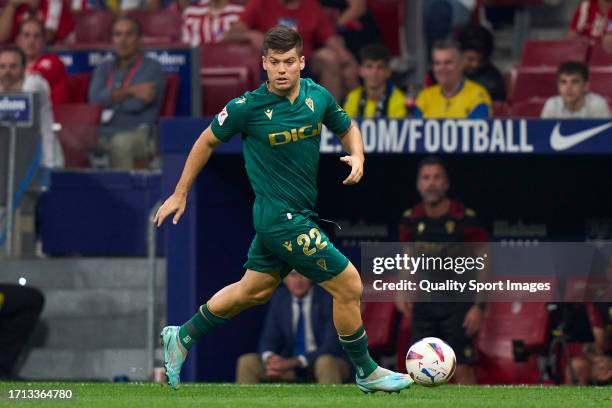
x,y
264,272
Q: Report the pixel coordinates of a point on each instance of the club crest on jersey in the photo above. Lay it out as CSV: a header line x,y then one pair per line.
x,y
421,227
268,113
310,103
450,226
222,116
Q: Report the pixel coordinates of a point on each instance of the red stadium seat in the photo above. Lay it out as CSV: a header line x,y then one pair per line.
x,y
500,109
79,86
163,26
79,131
601,81
528,83
221,84
228,70
531,108
552,52
505,322
388,15
599,57
404,340
379,321
93,26
168,107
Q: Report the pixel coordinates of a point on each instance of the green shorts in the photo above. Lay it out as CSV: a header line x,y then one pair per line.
x,y
302,246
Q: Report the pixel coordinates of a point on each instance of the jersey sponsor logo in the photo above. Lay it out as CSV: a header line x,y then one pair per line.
x,y
288,246
293,135
268,113
222,116
322,264
310,103
563,142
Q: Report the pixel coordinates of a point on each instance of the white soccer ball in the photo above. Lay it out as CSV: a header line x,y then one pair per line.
x,y
430,361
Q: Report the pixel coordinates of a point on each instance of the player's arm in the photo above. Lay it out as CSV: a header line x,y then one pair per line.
x,y
197,159
353,144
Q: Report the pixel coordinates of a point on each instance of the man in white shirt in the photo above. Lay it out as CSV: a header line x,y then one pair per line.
x,y
207,21
14,79
298,342
574,100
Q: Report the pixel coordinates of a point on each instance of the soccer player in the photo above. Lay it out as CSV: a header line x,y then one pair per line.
x,y
281,124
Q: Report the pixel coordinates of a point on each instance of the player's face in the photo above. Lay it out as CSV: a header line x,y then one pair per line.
x,y
283,69
374,73
11,69
572,87
432,183
473,60
447,67
31,40
297,284
125,38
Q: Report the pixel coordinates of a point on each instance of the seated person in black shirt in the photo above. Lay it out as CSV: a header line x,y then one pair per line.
x,y
477,44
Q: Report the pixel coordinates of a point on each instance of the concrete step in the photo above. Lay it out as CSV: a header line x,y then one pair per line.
x,y
92,333
104,364
83,273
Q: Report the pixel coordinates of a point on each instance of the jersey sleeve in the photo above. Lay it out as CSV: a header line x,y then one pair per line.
x,y
481,106
230,120
335,117
474,231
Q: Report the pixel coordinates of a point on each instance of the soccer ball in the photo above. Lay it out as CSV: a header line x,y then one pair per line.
x,y
430,361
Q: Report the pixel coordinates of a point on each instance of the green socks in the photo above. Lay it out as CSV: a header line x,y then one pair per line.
x,y
200,324
356,346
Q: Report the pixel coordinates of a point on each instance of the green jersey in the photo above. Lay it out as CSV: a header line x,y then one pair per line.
x,y
281,146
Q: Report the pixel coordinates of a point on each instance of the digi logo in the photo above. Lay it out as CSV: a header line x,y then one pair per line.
x,y
293,135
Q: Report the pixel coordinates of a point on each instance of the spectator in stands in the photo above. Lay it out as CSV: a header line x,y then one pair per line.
x,y
81,5
354,23
55,15
607,39
453,96
477,44
590,20
574,99
326,56
441,16
378,97
13,78
20,308
31,40
207,21
298,342
442,220
130,89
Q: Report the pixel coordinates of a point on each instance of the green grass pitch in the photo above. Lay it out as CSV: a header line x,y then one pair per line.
x,y
109,395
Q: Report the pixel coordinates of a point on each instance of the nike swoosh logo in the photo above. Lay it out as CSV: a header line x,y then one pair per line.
x,y
564,142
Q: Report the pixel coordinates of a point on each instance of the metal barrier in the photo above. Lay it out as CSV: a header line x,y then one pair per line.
x,y
151,257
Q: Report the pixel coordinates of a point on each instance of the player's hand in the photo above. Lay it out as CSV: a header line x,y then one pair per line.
x,y
176,203
356,164
472,320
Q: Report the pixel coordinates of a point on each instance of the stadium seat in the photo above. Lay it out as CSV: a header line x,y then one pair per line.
x,y
500,109
552,52
79,131
404,340
379,322
163,26
531,108
389,17
228,70
168,107
79,86
600,79
599,57
233,55
93,26
528,83
221,84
